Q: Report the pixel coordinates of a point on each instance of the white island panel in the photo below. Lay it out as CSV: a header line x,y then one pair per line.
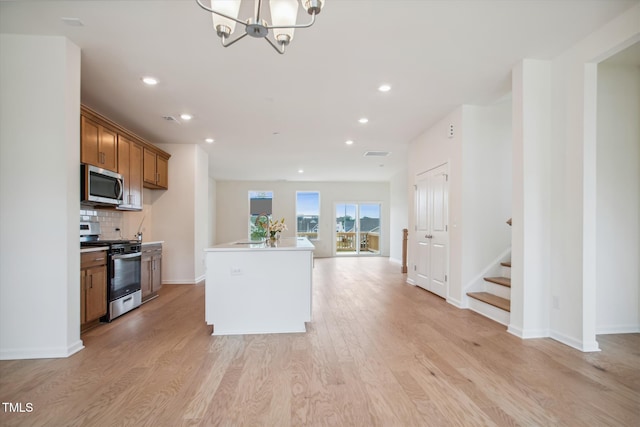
x,y
256,289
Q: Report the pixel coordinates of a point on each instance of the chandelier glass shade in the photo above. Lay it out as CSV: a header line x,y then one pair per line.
x,y
284,14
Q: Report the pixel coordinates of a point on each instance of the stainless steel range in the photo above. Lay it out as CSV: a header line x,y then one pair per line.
x,y
123,270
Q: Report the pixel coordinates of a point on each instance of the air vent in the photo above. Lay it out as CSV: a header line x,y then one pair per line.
x,y
171,119
376,153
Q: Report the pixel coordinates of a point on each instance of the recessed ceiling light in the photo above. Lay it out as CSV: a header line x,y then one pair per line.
x,y
186,116
348,142
384,88
151,81
209,140
300,170
363,120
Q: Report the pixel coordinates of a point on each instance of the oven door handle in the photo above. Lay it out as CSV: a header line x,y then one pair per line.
x,y
127,256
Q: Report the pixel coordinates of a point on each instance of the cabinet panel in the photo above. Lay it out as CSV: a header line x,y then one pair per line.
x,y
93,287
149,167
162,170
98,145
109,148
145,276
96,293
83,296
151,274
135,175
156,269
130,167
89,151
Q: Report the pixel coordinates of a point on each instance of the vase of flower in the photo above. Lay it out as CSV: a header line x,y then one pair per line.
x,y
274,230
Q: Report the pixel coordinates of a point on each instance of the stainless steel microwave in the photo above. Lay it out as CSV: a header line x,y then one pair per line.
x,y
100,186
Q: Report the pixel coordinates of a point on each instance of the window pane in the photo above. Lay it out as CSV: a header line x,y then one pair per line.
x,y
307,214
260,210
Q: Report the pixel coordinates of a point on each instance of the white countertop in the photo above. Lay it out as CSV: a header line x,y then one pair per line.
x,y
283,244
94,249
159,242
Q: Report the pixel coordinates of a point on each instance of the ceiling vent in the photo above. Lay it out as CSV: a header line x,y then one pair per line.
x,y
376,153
171,119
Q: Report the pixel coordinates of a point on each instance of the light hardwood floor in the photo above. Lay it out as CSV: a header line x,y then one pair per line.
x,y
378,353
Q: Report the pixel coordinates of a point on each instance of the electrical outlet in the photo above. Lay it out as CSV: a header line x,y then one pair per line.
x,y
556,302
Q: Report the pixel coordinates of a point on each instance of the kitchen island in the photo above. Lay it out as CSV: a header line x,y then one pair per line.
x,y
253,288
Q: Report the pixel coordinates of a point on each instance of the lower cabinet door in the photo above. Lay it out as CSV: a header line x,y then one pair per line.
x,y
95,287
146,276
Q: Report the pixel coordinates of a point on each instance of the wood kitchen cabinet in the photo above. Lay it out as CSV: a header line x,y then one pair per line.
x,y
98,144
93,288
151,270
107,145
130,167
156,169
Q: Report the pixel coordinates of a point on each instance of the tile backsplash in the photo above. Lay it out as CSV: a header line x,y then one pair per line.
x,y
111,222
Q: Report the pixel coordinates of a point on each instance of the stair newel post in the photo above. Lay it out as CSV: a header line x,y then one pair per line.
x,y
405,234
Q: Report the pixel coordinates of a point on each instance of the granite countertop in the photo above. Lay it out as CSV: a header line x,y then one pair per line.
x,y
283,244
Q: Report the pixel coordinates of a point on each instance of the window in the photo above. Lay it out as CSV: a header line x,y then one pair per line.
x,y
260,210
307,214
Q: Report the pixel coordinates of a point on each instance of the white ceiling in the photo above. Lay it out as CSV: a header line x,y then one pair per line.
x,y
273,114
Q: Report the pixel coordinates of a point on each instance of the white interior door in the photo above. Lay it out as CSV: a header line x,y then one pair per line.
x,y
432,201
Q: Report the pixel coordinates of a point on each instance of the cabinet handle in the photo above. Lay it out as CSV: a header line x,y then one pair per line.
x,y
98,259
157,178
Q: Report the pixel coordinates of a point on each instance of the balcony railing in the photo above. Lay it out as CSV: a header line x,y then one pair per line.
x,y
347,242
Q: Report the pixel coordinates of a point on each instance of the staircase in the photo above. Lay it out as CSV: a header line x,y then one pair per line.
x,y
494,299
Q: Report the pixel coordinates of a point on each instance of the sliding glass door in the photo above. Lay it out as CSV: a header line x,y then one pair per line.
x,y
357,229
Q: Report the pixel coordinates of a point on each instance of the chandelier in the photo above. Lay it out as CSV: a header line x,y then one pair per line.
x,y
283,18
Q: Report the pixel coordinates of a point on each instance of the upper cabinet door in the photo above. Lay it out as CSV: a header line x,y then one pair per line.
x,y
89,151
98,145
130,167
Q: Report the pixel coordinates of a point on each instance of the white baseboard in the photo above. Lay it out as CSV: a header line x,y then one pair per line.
x,y
454,302
528,333
395,261
411,281
575,343
183,282
618,329
41,353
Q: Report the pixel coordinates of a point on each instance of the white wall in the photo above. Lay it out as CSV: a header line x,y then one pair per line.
x,y
211,217
431,149
573,191
201,211
618,199
39,197
398,214
180,214
478,155
233,207
486,187
531,206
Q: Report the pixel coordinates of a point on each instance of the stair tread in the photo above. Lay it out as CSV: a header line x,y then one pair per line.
x,y
504,281
506,264
491,299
